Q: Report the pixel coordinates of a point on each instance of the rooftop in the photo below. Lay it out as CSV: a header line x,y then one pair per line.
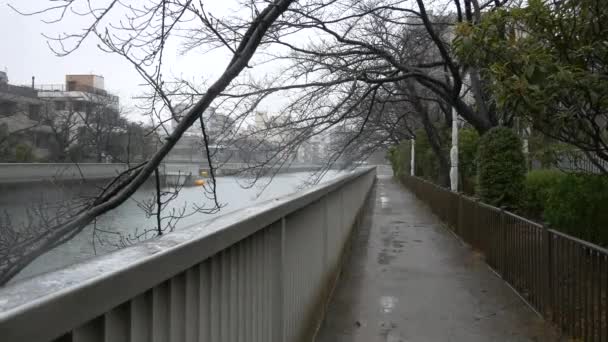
x,y
18,90
79,91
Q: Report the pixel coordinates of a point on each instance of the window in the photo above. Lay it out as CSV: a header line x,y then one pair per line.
x,y
71,85
7,108
59,105
34,112
41,140
82,130
78,106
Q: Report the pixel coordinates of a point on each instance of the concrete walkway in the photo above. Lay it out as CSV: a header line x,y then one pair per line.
x,y
410,279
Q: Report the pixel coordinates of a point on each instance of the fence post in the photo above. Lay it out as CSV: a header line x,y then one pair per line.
x,y
460,217
504,249
475,226
548,247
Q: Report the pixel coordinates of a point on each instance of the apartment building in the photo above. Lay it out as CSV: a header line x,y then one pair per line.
x,y
46,120
23,133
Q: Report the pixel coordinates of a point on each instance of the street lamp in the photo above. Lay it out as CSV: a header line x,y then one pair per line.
x,y
454,152
413,156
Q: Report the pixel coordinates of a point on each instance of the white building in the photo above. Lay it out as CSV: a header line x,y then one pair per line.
x,y
261,121
45,116
79,93
217,125
72,104
316,150
20,118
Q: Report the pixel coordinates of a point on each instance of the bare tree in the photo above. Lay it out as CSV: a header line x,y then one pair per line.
x,y
359,57
147,31
363,73
375,44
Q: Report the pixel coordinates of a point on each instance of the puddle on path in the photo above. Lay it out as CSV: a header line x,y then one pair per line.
x,y
388,303
384,201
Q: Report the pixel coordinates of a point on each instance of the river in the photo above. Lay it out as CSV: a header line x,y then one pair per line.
x,y
129,218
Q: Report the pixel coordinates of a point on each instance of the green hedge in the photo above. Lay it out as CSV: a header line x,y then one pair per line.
x,y
537,188
578,205
501,168
399,157
24,153
427,165
575,204
468,142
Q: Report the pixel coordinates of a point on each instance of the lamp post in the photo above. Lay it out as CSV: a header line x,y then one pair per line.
x,y
526,146
454,152
413,156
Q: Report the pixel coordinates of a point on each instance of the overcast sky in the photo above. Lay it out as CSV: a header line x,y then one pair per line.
x,y
25,54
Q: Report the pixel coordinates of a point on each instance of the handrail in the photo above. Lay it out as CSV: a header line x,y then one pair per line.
x,y
61,300
60,164
587,244
562,277
483,204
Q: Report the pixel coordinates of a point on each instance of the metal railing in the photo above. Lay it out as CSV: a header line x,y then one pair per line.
x,y
577,161
263,274
72,87
563,278
76,87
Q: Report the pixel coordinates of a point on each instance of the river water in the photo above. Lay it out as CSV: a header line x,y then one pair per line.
x,y
129,218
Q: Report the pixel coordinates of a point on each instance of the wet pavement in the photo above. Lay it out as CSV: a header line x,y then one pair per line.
x,y
408,278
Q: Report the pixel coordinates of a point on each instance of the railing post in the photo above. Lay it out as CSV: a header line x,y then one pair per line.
x,y
341,230
324,204
548,248
278,321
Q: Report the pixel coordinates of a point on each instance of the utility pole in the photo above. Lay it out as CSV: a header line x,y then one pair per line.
x,y
526,146
454,152
413,157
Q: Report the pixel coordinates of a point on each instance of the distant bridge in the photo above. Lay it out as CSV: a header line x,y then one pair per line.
x,y
40,172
